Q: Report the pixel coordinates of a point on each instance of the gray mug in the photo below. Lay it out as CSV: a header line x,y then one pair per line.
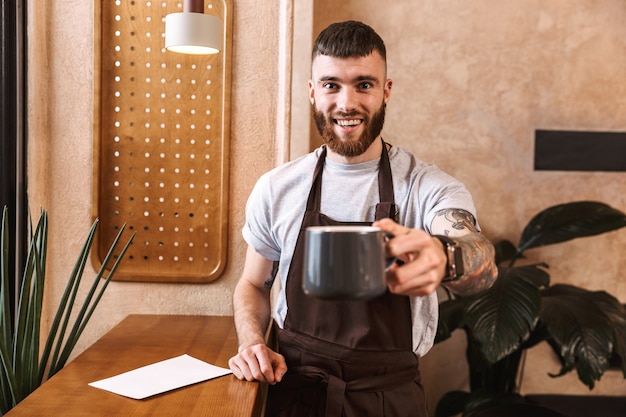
x,y
344,262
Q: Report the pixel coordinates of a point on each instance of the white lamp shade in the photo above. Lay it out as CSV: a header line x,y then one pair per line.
x,y
193,33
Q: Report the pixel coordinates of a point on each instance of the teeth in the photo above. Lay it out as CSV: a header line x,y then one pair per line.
x,y
352,122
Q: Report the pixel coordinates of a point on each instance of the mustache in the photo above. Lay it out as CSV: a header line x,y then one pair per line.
x,y
353,114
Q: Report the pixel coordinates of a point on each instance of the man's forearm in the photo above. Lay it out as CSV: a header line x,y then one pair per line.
x,y
252,313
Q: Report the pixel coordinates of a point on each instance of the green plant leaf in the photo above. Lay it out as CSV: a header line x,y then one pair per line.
x,y
580,328
10,391
616,314
88,307
8,384
535,273
586,329
31,347
5,312
25,351
21,370
452,403
569,221
66,305
450,318
618,319
503,316
483,399
505,251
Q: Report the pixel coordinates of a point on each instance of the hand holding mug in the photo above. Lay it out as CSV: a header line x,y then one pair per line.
x,y
424,261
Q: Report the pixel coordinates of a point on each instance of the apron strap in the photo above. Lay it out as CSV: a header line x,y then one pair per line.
x,y
387,208
385,183
314,202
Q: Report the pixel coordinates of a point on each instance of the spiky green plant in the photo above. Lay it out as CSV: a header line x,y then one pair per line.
x,y
23,366
586,329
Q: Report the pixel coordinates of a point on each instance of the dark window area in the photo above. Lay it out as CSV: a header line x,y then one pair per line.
x,y
12,141
557,150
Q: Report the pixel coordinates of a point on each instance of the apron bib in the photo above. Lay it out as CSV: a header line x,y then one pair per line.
x,y
346,358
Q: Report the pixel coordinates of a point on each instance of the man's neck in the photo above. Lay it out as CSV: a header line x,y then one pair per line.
x,y
373,152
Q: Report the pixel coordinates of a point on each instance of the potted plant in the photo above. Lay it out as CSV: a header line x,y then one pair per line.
x,y
586,329
22,366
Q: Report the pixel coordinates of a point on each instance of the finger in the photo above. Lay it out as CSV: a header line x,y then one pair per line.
x,y
392,230
390,226
251,365
280,367
262,362
410,245
416,277
240,368
235,368
266,369
415,288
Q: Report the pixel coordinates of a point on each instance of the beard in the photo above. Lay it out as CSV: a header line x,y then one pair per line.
x,y
350,146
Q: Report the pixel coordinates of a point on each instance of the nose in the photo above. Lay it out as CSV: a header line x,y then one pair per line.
x,y
347,100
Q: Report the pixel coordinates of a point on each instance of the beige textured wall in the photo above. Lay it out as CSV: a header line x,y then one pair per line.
x,y
472,81
61,67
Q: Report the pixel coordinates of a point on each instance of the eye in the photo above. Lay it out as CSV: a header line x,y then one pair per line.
x,y
329,86
366,85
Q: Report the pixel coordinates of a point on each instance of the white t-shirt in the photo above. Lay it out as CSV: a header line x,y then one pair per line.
x,y
276,207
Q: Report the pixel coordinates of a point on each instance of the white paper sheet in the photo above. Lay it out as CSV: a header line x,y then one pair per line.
x,y
161,377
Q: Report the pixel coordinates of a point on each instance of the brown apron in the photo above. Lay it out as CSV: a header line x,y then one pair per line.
x,y
346,358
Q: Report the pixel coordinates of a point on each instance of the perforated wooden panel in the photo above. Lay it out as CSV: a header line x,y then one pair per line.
x,y
161,144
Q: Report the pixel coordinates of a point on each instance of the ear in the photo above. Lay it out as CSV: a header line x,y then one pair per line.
x,y
311,92
387,90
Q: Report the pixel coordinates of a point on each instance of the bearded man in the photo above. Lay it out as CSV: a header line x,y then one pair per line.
x,y
346,357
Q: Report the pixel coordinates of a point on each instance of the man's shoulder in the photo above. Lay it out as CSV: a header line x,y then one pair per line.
x,y
404,159
301,166
288,175
408,169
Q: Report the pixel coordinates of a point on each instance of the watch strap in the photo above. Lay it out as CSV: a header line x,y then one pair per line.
x,y
454,254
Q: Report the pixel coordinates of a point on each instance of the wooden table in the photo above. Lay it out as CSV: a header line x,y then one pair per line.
x,y
142,340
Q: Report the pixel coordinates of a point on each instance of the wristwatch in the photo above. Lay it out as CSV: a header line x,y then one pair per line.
x,y
455,258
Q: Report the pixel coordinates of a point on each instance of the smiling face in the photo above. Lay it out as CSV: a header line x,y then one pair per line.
x,y
349,97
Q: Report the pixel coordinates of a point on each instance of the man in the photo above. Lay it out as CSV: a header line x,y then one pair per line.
x,y
352,358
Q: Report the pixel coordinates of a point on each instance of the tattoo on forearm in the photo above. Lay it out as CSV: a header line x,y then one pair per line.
x,y
270,281
459,219
478,251
479,262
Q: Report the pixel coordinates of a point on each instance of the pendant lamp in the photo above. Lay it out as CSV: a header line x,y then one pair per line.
x,y
192,31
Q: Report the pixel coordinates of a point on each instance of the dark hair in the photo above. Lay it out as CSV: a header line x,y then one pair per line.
x,y
348,39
